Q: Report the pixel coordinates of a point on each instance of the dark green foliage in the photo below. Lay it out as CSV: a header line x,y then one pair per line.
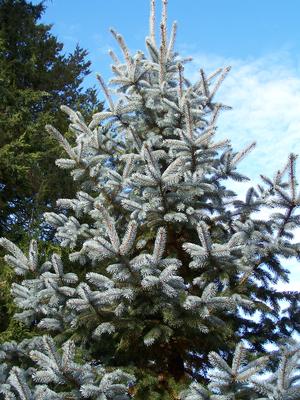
x,y
36,77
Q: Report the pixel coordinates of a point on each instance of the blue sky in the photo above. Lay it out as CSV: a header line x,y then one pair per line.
x,y
230,29
260,39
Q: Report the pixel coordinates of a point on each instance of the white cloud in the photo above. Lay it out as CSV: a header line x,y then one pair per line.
x,y
265,96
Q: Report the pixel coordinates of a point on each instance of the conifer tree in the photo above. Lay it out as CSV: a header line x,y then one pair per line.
x,y
174,264
36,77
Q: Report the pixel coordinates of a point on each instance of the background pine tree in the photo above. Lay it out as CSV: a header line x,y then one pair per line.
x,y
36,77
166,276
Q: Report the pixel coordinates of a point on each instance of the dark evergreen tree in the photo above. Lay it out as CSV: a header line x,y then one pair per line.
x,y
173,264
36,77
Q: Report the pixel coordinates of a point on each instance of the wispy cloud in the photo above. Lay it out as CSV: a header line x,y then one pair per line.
x,y
265,96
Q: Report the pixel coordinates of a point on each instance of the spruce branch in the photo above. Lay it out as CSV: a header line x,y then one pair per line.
x,y
106,92
152,22
218,84
114,57
164,27
64,143
172,40
160,243
119,38
180,81
204,84
110,227
242,154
